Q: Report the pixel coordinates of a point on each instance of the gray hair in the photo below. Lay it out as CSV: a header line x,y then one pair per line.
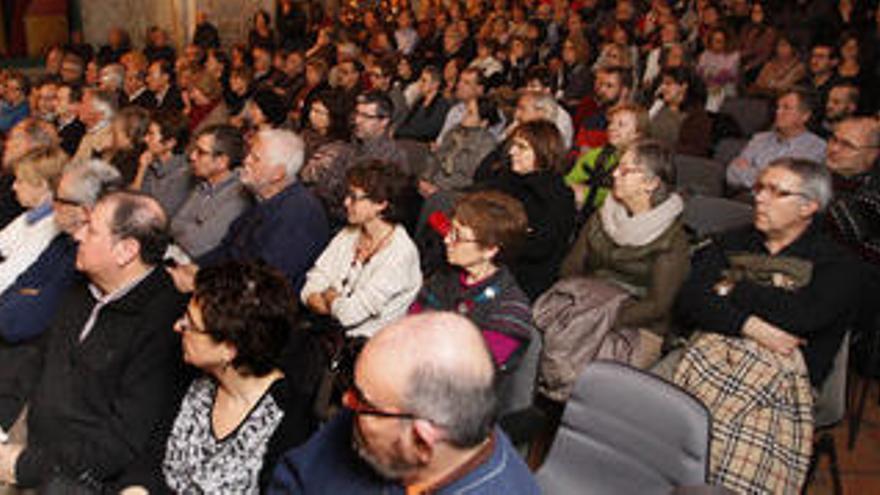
x,y
463,403
815,178
91,179
113,75
656,158
104,102
285,148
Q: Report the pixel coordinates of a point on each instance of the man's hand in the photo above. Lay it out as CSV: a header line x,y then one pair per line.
x,y
771,337
9,453
184,276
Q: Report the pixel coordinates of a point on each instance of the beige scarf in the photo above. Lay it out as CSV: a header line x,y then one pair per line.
x,y
642,229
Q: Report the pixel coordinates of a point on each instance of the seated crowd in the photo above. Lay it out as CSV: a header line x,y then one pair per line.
x,y
352,253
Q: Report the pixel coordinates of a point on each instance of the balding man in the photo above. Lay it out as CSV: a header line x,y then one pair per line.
x,y
287,228
105,372
419,418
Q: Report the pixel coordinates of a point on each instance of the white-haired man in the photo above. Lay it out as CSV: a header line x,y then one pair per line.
x,y
287,228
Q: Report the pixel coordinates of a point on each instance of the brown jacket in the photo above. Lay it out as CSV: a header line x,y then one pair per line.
x,y
652,273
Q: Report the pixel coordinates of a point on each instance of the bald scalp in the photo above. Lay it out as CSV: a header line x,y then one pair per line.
x,y
440,339
442,371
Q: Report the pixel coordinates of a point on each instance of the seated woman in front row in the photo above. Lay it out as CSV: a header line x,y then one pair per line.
x,y
243,412
369,274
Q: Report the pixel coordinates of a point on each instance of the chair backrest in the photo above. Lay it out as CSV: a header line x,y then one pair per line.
x,y
752,114
518,390
727,149
627,431
706,215
697,175
830,405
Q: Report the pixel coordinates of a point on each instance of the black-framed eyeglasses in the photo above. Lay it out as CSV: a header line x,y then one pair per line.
x,y
354,399
775,191
365,115
355,197
203,152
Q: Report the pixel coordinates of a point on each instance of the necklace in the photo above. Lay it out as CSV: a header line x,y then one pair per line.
x,y
366,250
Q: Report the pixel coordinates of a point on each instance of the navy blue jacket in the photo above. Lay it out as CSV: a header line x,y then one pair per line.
x,y
28,305
287,231
328,464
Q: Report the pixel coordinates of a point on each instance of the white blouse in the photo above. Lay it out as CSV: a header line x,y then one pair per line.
x,y
371,294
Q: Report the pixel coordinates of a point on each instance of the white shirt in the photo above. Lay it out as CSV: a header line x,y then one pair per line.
x,y
21,243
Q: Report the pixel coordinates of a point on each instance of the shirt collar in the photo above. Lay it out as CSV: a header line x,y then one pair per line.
x,y
38,213
104,299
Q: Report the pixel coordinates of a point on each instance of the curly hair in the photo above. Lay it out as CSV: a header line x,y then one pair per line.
x,y
250,306
383,181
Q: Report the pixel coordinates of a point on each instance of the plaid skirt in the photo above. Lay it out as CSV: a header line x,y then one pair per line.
x,y
762,412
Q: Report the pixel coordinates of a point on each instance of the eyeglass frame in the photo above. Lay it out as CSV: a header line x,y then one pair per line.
x,y
354,400
775,191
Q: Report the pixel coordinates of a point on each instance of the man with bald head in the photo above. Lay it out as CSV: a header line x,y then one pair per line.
x,y
419,418
105,372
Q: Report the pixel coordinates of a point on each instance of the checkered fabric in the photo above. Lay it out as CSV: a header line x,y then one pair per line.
x,y
762,412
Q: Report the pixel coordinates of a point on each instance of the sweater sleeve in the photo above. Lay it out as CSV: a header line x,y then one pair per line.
x,y
398,273
667,275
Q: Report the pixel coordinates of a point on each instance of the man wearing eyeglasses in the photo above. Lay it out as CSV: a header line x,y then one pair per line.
x,y
419,419
774,301
853,217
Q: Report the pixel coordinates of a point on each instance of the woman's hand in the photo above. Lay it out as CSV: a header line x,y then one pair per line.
x,y
315,302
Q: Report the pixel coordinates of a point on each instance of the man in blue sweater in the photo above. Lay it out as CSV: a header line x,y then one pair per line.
x,y
419,419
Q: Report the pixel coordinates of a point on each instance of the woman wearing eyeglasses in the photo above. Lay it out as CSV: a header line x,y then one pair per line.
x,y
369,273
636,241
237,418
485,231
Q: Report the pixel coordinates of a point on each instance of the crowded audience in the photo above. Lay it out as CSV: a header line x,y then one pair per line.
x,y
341,180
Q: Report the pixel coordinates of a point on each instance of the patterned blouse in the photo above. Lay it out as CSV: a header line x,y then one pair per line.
x,y
198,462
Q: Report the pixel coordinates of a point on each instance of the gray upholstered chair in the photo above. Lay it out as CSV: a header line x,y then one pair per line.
x,y
698,175
706,215
625,431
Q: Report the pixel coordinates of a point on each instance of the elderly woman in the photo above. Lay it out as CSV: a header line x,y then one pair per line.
x,y
486,226
637,241
536,154
21,242
590,177
243,413
369,273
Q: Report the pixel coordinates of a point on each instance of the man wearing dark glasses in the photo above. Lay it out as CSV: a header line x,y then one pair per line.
x,y
419,418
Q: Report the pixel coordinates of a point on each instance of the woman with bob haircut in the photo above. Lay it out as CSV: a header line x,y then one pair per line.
x,y
369,274
243,412
533,177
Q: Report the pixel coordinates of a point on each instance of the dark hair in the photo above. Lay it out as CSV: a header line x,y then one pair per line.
x,y
383,181
338,110
136,122
140,217
272,105
24,83
544,138
488,110
806,98
384,105
172,125
695,95
250,307
228,141
497,219
624,75
166,68
541,74
76,91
